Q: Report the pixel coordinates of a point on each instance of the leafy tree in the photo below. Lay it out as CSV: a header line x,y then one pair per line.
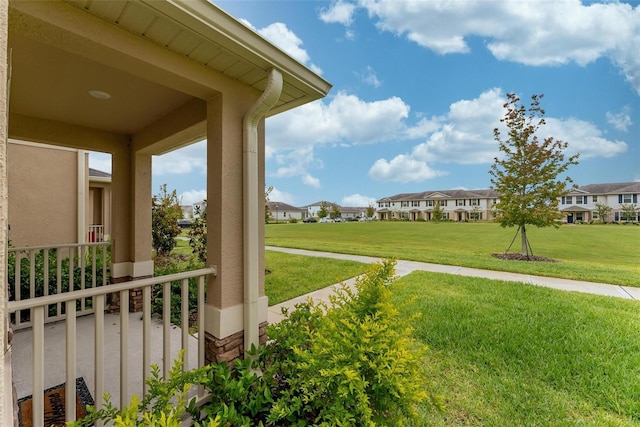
x,y
629,212
438,212
370,211
603,212
335,211
165,213
324,210
198,232
526,175
267,211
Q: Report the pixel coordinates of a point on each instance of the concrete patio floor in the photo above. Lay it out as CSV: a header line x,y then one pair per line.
x,y
55,339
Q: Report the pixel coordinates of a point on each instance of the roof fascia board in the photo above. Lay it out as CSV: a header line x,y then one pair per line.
x,y
238,39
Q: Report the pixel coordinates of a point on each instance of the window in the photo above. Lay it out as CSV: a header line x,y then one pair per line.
x,y
415,203
404,204
460,202
443,203
494,201
594,199
474,202
569,200
475,216
626,198
594,214
430,203
578,200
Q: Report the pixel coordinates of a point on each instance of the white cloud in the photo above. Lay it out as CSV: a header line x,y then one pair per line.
x,y
280,35
465,136
583,137
345,119
621,120
100,161
339,12
357,200
192,196
402,168
531,33
281,196
369,77
190,159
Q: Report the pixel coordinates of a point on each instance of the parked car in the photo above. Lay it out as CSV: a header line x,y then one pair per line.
x,y
339,219
310,219
326,219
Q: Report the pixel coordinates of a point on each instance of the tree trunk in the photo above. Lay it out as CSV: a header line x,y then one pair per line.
x,y
525,243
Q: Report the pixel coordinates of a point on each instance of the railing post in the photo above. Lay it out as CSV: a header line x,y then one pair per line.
x,y
70,389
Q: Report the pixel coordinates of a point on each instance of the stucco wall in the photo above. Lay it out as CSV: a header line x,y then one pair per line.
x,y
42,194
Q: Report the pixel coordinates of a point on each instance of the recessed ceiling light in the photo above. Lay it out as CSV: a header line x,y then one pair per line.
x,y
98,94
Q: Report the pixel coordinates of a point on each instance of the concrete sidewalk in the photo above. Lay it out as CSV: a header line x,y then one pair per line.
x,y
405,267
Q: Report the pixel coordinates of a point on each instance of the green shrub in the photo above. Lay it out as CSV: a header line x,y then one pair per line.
x,y
198,233
169,265
101,258
164,405
352,362
293,220
359,364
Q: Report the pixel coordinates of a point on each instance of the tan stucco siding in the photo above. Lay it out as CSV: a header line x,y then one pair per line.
x,y
43,203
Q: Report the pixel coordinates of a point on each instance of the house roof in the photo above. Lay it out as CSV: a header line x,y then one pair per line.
x,y
283,207
612,188
446,194
159,61
98,174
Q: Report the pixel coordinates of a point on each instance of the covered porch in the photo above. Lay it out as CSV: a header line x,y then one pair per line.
x,y
136,79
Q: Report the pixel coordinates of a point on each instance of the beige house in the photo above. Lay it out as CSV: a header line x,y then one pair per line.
x,y
136,79
54,197
455,205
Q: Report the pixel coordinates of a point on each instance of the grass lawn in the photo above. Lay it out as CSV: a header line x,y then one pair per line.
x,y
506,354
295,275
598,253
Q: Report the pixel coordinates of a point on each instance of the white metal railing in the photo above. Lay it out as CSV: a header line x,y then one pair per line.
x,y
40,271
96,233
38,307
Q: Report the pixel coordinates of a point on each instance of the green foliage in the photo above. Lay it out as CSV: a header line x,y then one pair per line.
x,y
323,212
198,233
335,211
267,211
164,405
629,212
526,174
370,211
293,220
167,266
352,362
603,211
102,258
357,364
438,212
165,213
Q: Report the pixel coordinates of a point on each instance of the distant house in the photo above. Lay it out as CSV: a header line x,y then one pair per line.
x,y
455,205
579,205
314,208
284,212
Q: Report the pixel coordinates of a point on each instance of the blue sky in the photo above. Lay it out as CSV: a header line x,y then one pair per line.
x,y
418,87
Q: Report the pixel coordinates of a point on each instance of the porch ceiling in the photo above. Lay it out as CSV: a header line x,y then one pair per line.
x,y
154,58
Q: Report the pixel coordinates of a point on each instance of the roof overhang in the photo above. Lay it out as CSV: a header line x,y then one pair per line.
x,y
159,61
575,209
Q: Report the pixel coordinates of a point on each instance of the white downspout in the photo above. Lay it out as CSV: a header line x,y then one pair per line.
x,y
81,203
251,198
